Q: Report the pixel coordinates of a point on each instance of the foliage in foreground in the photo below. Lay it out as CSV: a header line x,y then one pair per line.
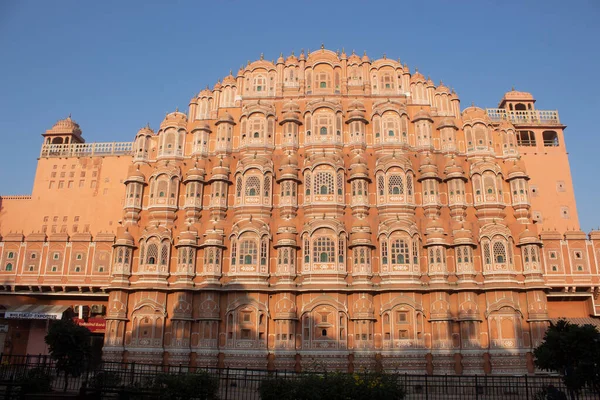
x,y
69,345
198,385
36,380
574,352
333,386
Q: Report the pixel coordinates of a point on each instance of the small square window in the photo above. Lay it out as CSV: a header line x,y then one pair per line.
x,y
578,255
33,256
552,255
31,268
54,268
580,268
77,269
246,334
403,334
100,269
554,268
402,316
55,256
79,256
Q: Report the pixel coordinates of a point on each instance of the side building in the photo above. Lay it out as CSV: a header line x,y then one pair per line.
x,y
322,209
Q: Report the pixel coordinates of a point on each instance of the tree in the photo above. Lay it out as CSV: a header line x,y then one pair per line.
x,y
574,352
69,346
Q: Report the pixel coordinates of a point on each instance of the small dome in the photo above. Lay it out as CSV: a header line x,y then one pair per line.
x,y
516,95
176,118
417,77
66,126
517,170
430,82
226,118
217,86
473,113
124,238
528,237
195,173
229,80
280,59
354,59
447,123
428,169
434,224
291,59
463,235
205,93
365,58
135,175
422,114
442,88
145,131
453,170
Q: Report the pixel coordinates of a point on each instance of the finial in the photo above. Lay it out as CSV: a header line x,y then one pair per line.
x,y
364,53
176,109
322,46
512,89
248,62
262,56
292,52
281,54
337,52
384,56
230,72
69,117
472,104
353,52
343,50
441,82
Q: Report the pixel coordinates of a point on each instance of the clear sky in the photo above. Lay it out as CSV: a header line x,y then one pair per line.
x,y
117,65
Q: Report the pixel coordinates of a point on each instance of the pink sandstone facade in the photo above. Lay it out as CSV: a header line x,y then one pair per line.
x,y
325,208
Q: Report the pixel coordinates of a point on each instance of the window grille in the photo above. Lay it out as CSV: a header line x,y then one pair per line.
x,y
399,252
323,250
395,185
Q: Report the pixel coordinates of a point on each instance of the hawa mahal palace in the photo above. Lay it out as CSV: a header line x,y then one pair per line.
x,y
322,208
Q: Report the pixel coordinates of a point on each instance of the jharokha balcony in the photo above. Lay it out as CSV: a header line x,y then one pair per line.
x,y
87,149
524,117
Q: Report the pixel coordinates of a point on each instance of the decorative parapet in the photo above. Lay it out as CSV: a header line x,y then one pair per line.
x,y
87,149
17,197
524,117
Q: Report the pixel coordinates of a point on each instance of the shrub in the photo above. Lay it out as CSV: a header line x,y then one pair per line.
x,y
36,380
105,379
333,386
199,385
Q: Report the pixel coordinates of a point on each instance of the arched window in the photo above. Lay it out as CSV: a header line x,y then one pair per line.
x,y
324,183
260,83
499,253
323,130
152,254
399,252
248,252
253,186
9,267
323,249
396,184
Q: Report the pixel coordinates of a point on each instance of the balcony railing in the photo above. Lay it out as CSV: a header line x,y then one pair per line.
x,y
538,117
87,149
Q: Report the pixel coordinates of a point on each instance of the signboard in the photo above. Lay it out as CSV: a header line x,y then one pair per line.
x,y
95,325
31,315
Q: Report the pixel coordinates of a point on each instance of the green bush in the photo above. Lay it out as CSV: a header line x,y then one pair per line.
x,y
200,385
36,380
105,379
333,386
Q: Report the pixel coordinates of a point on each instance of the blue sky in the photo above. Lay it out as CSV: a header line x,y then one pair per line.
x,y
116,65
